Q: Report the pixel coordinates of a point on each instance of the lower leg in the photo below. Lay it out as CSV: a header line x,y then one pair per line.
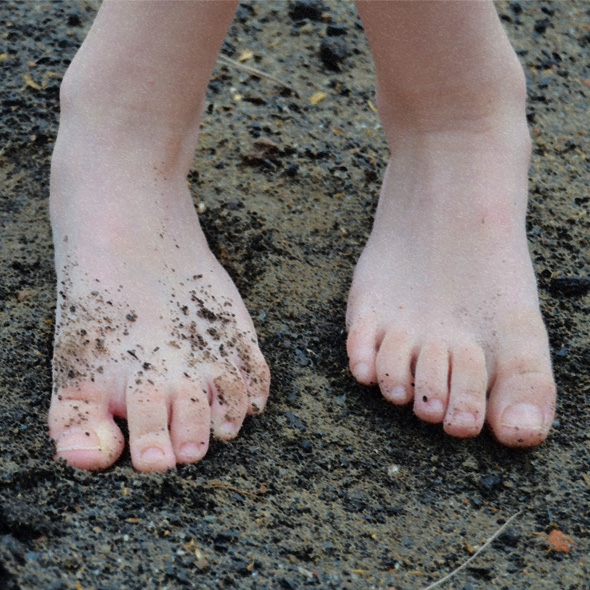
x,y
443,307
149,326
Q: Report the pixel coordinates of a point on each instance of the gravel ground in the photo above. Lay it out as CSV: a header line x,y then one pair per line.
x,y
331,487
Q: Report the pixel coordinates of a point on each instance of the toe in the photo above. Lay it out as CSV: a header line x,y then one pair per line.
x,y
229,402
522,407
84,431
431,382
149,438
467,399
394,367
190,424
256,374
361,346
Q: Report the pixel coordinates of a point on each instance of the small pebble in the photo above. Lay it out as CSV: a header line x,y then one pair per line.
x,y
335,30
333,51
311,9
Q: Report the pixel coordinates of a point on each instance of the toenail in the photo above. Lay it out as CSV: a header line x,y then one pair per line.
x,y
463,420
398,394
523,417
152,455
257,405
190,452
228,429
435,406
77,439
362,372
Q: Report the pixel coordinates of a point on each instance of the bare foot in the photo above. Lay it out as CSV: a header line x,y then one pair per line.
x,y
149,326
443,308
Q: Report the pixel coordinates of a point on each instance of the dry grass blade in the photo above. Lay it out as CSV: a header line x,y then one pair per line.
x,y
255,72
475,555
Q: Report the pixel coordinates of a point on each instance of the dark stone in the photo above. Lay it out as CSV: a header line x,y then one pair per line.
x,y
74,17
228,48
333,51
310,9
244,12
483,573
335,30
490,482
301,357
570,286
292,170
306,445
541,26
510,538
295,421
288,584
476,501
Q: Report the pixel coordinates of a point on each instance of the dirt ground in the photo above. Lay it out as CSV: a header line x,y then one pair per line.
x,y
331,487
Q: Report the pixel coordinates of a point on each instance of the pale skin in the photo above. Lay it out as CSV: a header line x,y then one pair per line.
x,y
443,309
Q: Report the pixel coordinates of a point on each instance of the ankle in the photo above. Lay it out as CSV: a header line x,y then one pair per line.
x,y
478,101
124,123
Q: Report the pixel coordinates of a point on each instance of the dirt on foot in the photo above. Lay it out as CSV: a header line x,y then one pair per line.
x,y
331,487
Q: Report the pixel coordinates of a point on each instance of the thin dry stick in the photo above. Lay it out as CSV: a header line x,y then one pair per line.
x,y
227,486
255,72
482,548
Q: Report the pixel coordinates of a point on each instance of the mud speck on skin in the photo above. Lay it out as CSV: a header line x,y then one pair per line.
x,y
330,487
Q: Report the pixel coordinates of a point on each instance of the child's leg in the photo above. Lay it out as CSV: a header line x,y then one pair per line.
x,y
149,326
444,305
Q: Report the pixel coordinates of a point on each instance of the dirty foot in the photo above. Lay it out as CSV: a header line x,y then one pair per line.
x,y
149,326
443,308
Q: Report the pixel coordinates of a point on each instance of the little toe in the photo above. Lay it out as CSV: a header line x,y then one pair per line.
x,y
394,367
190,424
85,434
431,382
361,346
521,408
229,402
256,375
466,409
149,438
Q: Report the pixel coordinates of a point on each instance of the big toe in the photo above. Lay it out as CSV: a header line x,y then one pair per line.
x,y
522,407
92,446
83,429
84,448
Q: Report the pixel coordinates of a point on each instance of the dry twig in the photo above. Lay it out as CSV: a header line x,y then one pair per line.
x,y
226,486
482,548
255,72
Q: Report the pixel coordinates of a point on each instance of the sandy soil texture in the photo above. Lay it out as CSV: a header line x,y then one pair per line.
x,y
331,487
